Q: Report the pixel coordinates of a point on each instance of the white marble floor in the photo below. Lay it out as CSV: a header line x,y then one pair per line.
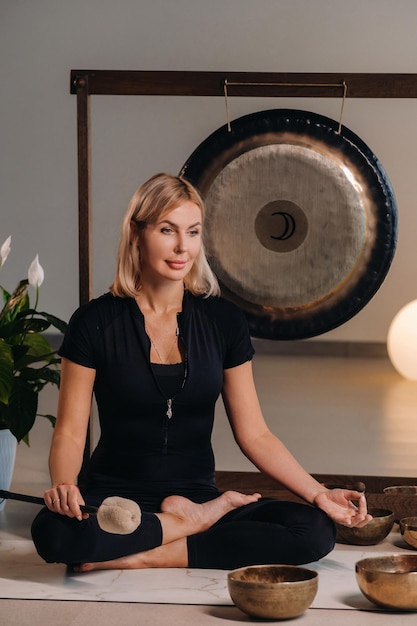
x,y
24,576
348,415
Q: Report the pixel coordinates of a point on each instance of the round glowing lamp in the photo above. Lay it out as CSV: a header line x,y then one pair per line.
x,y
402,341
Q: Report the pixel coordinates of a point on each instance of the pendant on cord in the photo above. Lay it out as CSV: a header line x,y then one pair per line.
x,y
169,410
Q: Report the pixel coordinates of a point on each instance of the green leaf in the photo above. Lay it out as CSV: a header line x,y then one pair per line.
x,y
27,359
28,321
16,302
15,330
6,371
38,345
11,330
20,413
34,325
36,349
52,320
18,352
5,294
52,376
51,418
39,377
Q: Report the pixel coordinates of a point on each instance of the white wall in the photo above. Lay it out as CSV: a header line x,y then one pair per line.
x,y
42,40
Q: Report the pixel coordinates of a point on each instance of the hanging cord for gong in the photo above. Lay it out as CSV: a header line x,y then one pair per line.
x,y
342,85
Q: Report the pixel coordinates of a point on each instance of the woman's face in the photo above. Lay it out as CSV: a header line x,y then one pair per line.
x,y
169,247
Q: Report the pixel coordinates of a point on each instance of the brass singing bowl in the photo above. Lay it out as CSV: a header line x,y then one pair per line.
x,y
408,529
375,530
389,581
272,591
401,490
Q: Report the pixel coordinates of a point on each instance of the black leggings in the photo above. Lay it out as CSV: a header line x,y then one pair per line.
x,y
267,531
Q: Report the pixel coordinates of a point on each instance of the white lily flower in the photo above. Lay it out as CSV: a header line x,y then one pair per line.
x,y
5,249
36,273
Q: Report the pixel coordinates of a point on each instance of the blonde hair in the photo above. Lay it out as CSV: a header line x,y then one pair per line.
x,y
158,195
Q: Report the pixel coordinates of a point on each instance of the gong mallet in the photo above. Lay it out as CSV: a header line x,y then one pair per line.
x,y
115,515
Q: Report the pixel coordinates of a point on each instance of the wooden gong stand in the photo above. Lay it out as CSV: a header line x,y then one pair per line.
x,y
85,83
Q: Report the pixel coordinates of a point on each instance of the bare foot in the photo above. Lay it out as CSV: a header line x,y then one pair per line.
x,y
200,517
174,554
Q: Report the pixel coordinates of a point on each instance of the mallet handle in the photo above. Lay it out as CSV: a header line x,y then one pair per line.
x,y
9,495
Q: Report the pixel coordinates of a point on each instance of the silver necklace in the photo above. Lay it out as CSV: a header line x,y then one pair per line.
x,y
164,361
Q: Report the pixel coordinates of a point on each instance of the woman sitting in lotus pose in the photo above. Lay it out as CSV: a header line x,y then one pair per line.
x,y
157,351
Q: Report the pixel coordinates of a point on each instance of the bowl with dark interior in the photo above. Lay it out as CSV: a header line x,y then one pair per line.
x,y
372,533
389,581
273,591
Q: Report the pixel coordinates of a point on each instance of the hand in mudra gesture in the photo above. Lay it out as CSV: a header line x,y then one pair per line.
x,y
344,506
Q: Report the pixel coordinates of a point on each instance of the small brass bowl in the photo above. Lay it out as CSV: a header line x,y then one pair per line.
x,y
408,529
410,493
389,581
401,490
375,530
272,591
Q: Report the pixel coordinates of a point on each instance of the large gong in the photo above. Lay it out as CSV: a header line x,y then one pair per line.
x,y
301,222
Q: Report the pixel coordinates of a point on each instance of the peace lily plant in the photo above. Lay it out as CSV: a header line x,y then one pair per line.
x,y
27,360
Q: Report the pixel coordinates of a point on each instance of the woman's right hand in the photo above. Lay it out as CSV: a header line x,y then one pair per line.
x,y
65,498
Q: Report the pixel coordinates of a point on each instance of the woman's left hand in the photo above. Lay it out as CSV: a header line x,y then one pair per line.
x,y
344,506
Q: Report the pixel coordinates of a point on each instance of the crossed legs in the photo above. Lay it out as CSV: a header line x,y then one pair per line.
x,y
179,519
